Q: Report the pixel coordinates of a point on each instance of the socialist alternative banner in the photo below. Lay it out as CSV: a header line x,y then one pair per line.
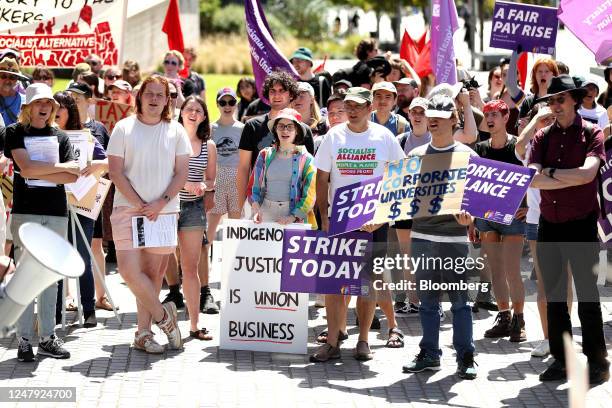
x,y
422,186
534,28
354,206
58,33
316,263
494,190
255,314
605,174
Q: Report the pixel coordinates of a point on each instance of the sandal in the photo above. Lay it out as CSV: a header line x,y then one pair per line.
x,y
322,337
201,334
396,338
104,304
71,305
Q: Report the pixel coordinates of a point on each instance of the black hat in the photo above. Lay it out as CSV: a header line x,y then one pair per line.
x,y
379,64
81,89
560,84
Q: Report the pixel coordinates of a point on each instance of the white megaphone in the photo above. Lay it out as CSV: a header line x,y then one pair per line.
x,y
46,258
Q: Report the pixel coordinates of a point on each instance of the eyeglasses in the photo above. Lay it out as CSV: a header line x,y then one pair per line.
x,y
231,102
554,101
170,62
280,127
173,95
497,76
114,77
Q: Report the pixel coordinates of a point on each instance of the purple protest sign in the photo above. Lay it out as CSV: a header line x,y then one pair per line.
x,y
354,205
591,23
443,26
494,190
534,28
316,263
605,223
265,55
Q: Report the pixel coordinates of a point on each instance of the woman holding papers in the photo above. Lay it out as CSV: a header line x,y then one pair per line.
x,y
44,161
284,177
68,118
196,198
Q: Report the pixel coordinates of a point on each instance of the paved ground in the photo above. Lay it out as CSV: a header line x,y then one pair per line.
x,y
107,373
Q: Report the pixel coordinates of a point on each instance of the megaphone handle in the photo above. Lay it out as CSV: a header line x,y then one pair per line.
x,y
75,245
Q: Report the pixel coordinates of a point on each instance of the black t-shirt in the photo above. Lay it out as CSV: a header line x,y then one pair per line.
x,y
505,154
256,136
256,108
98,130
37,200
320,83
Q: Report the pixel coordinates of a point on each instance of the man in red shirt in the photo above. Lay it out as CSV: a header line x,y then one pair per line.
x,y
567,156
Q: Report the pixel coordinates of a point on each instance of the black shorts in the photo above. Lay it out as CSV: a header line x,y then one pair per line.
x,y
98,233
403,224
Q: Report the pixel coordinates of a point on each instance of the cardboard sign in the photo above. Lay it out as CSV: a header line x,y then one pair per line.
x,y
109,113
605,223
534,28
422,186
255,314
91,205
62,33
82,146
494,190
316,263
354,206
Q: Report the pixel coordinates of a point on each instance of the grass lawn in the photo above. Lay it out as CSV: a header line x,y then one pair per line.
x,y
214,82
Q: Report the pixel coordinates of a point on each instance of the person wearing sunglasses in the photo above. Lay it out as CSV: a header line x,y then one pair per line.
x,y
567,156
10,99
95,63
111,75
496,83
176,98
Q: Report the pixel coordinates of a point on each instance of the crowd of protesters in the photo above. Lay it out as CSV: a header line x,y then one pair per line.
x,y
274,157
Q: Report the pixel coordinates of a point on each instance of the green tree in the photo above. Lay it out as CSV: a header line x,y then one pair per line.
x,y
303,19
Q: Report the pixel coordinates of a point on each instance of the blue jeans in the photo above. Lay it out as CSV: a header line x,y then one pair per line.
x,y
47,299
86,280
430,299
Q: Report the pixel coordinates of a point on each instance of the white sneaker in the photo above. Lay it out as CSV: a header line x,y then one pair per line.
x,y
170,326
146,342
442,315
542,350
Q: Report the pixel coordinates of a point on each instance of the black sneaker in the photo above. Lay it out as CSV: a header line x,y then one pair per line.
x,y
465,367
24,352
176,298
54,347
599,374
90,319
207,302
554,372
400,307
485,300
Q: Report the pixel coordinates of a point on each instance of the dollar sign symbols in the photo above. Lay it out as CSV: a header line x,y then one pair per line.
x,y
394,211
414,207
435,205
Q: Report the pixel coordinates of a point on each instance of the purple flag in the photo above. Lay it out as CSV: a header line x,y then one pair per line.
x,y
591,23
316,263
265,55
354,205
494,190
534,28
605,224
443,26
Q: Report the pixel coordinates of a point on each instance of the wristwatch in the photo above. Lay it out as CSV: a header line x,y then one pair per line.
x,y
166,197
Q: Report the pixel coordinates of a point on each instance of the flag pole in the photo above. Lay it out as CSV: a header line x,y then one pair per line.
x,y
123,31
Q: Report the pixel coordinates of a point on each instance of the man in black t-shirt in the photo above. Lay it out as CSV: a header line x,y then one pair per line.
x,y
280,89
44,161
302,62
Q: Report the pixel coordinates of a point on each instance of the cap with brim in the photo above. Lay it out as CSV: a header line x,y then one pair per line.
x,y
81,89
343,82
306,87
121,84
560,84
39,91
407,81
446,89
302,53
384,86
286,113
588,82
10,66
18,75
358,94
440,106
418,102
226,92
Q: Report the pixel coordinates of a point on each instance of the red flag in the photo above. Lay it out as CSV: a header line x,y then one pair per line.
x,y
172,27
408,49
420,44
321,67
86,14
423,65
522,68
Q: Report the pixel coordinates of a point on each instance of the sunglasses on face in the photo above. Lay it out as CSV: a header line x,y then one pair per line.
x,y
231,102
173,95
114,77
554,101
170,62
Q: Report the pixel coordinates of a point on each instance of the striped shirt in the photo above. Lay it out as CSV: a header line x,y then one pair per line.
x,y
197,167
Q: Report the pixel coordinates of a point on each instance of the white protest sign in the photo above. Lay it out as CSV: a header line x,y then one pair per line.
x,y
255,314
154,234
82,146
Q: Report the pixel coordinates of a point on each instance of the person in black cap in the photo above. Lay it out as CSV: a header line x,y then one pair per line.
x,y
567,156
590,110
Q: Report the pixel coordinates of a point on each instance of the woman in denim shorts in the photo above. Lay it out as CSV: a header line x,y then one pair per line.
x,y
196,198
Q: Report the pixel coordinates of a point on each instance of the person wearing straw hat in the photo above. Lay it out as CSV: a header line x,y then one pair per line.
x,y
10,99
44,161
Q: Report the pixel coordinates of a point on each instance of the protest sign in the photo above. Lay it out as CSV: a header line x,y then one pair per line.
x,y
422,186
98,200
109,113
255,314
82,145
62,33
316,263
534,28
354,205
154,234
494,190
591,22
444,23
605,223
